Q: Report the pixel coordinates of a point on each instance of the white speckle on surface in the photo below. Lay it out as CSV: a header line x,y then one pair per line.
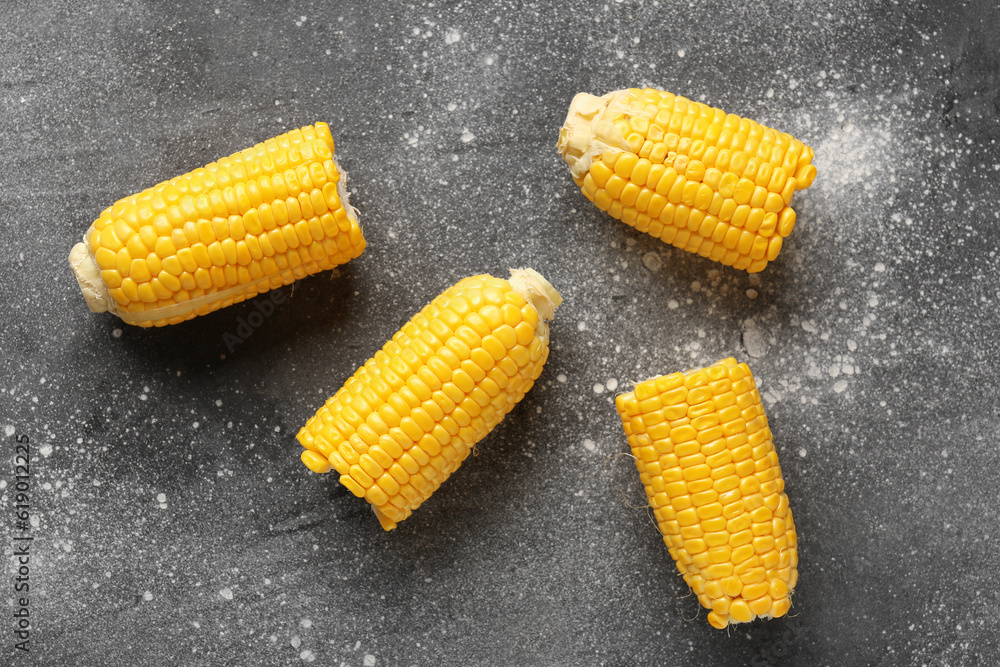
x,y
226,593
451,106
467,136
611,384
452,36
9,430
45,450
840,386
672,304
161,497
306,623
873,301
296,642
369,660
879,267
652,261
195,425
851,345
116,333
147,596
681,53
307,656
581,326
802,452
589,445
755,339
944,453
751,294
561,378
598,388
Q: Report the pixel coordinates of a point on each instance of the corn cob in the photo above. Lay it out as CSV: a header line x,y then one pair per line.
x,y
256,220
708,463
412,413
686,173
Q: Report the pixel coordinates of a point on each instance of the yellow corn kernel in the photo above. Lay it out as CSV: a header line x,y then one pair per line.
x,y
210,228
412,413
729,527
662,170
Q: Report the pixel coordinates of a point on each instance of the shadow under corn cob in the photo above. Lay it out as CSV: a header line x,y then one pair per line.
x,y
411,414
687,173
707,461
258,219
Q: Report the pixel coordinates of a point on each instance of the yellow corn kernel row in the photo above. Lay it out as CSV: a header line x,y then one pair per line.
x,y
707,461
258,219
689,174
411,414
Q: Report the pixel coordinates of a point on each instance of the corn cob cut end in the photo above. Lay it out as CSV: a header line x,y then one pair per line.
x,y
88,275
344,194
538,291
320,464
706,457
588,131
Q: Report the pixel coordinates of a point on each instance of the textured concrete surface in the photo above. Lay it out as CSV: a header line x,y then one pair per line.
x,y
173,523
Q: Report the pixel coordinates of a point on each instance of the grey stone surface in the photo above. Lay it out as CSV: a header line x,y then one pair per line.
x,y
174,524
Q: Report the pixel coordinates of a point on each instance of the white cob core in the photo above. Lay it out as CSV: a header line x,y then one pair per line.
x,y
88,275
589,130
537,290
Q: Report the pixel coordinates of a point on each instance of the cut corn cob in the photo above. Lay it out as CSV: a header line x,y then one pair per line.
x,y
412,413
708,463
258,219
686,173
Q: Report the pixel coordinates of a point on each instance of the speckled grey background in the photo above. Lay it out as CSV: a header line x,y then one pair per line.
x,y
173,521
